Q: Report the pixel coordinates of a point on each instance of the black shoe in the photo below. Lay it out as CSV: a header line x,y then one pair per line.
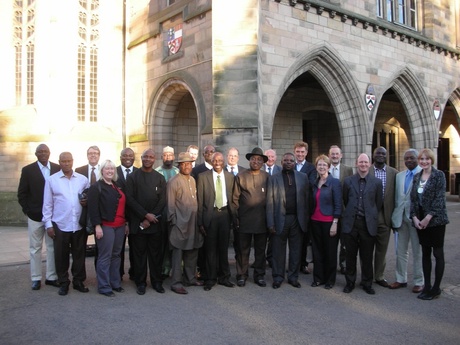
x,y
36,285
227,283
342,270
63,290
108,294
305,270
119,289
241,282
140,290
328,286
80,287
207,287
369,290
52,283
158,288
349,288
276,285
295,284
383,283
315,284
431,295
261,282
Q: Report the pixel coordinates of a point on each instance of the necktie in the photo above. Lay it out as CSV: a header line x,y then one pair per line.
x,y
127,173
408,180
219,198
269,170
93,175
232,171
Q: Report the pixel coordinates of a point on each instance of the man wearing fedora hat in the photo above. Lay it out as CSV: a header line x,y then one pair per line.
x,y
185,239
249,199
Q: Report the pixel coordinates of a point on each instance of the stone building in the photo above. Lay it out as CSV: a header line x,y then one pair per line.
x,y
236,73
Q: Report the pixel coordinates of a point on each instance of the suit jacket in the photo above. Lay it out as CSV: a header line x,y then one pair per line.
x,y
402,200
198,169
83,170
310,170
330,198
433,198
372,202
31,189
206,194
275,169
276,201
389,197
121,182
345,171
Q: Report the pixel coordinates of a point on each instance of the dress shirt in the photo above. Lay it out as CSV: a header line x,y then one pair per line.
x,y
45,169
209,166
409,177
299,166
96,171
61,204
234,171
382,175
125,173
269,170
335,171
224,190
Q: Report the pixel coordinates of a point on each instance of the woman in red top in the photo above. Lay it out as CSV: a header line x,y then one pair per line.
x,y
106,207
326,211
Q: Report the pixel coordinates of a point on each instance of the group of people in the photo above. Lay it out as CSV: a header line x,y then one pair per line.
x,y
179,219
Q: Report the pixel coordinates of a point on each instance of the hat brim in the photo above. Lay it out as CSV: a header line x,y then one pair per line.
x,y
249,155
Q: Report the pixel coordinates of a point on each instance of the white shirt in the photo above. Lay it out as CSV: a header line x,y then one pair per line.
x,y
96,171
61,204
299,166
125,173
224,190
45,169
335,174
235,169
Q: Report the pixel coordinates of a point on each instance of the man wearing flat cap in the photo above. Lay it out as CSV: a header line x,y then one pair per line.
x,y
249,200
185,238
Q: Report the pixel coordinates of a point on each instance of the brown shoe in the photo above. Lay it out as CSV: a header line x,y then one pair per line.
x,y
418,288
397,285
179,290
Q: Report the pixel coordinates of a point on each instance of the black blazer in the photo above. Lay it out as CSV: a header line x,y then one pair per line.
x,y
121,182
198,169
103,202
31,189
311,172
373,199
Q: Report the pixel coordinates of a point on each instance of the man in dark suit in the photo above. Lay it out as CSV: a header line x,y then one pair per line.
x,y
270,167
301,152
233,156
215,194
126,168
339,171
208,151
91,170
362,197
30,197
387,175
287,219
